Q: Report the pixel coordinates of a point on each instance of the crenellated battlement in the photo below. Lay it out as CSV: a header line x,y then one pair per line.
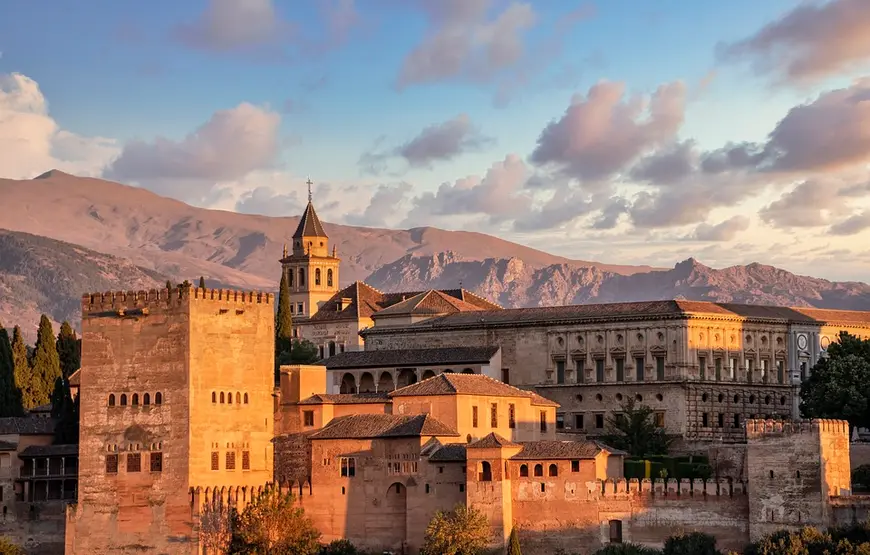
x,y
238,497
122,303
665,488
761,428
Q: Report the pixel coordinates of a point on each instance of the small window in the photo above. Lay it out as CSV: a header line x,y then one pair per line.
x,y
223,398
308,418
246,398
512,416
213,397
575,466
158,398
578,421
123,399
427,488
553,470
524,471
135,400
485,472
599,369
599,421
560,421
539,470
348,466
146,399
238,398
506,375
317,276
231,460
229,398
771,474
615,531
111,464
660,420
721,423
543,421
215,460
246,460
736,420
705,420
329,278
474,417
461,488
134,462
660,370
156,462
111,399
493,415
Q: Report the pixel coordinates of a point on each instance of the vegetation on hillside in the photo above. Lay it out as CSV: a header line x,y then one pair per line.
x,y
9,548
852,540
839,383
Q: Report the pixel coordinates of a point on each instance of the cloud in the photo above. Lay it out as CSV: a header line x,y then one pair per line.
x,y
723,231
462,41
601,134
436,143
812,203
810,42
230,145
385,203
852,225
31,141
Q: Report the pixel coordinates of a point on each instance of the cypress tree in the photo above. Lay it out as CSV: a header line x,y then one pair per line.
x,y
514,544
201,282
10,396
283,324
65,411
169,285
69,350
45,363
21,369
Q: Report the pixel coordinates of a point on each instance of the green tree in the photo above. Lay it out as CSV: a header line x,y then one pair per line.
x,y
695,543
303,352
283,326
45,363
839,384
65,410
69,349
22,372
626,549
514,544
9,548
635,432
340,547
202,282
462,531
10,395
272,525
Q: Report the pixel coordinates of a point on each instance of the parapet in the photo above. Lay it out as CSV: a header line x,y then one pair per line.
x,y
121,303
761,428
219,498
665,488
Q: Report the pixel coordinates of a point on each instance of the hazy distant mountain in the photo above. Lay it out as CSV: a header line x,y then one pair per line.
x,y
513,283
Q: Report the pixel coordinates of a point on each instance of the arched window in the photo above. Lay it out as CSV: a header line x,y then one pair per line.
x,y
135,400
158,398
301,277
230,398
539,470
146,399
246,398
485,472
213,397
554,470
332,348
123,399
238,398
329,277
524,471
111,399
317,276
222,397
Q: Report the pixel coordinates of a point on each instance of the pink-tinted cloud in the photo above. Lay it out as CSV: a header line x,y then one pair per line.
x,y
726,230
852,225
812,41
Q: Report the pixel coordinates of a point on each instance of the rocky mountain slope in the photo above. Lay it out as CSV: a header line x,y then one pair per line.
x,y
513,283
40,275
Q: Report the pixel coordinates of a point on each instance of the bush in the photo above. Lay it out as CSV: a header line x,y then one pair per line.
x,y
692,471
635,468
852,540
462,531
695,543
340,547
626,549
861,478
9,548
273,524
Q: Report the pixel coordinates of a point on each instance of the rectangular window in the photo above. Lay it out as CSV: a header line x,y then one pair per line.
x,y
732,369
493,415
620,369
506,375
615,531
299,308
639,363
736,420
560,421
750,369
780,371
215,461
705,420
803,370
474,417
660,368
134,462
599,369
718,369
348,466
599,421
111,464
575,466
308,417
512,416
156,462
721,423
702,367
543,421
660,420
560,371
246,460
765,367
578,421
231,460
580,369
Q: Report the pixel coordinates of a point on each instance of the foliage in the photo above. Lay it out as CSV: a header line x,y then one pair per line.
x,y
340,547
202,282
839,384
66,411
45,363
626,549
272,525
169,284
635,432
22,372
514,544
283,325
9,548
69,349
854,540
694,543
861,478
303,352
216,528
10,395
462,531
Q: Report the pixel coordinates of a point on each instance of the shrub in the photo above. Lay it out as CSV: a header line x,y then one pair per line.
x,y
626,549
462,531
9,548
340,547
695,543
272,524
514,544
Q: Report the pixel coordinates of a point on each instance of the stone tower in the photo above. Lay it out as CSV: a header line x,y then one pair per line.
x,y
794,470
176,392
312,272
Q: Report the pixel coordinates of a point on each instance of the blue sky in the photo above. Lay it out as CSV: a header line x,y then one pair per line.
x,y
332,83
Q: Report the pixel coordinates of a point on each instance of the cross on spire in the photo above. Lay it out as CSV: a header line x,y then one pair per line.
x,y
309,183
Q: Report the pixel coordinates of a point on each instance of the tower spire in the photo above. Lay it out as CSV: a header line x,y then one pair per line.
x,y
309,183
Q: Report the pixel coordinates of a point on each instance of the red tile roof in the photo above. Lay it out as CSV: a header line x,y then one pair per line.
x,y
550,450
430,302
371,426
309,224
346,399
410,357
492,441
468,384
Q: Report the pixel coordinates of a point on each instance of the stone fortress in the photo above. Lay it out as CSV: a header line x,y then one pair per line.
x,y
427,399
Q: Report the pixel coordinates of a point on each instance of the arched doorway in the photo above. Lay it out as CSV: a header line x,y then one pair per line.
x,y
385,382
395,510
428,374
406,377
348,384
366,383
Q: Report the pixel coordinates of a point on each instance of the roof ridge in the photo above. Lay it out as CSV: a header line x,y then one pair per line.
x,y
482,298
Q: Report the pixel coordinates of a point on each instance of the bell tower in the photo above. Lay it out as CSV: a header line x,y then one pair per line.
x,y
312,272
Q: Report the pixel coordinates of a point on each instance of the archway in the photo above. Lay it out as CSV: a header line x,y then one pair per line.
x,y
407,376
428,374
468,371
366,383
385,382
395,513
447,371
348,384
485,472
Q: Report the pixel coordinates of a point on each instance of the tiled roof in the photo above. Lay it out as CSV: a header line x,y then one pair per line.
x,y
430,302
27,425
369,426
468,384
548,450
365,301
8,445
632,311
309,224
451,452
492,441
76,377
410,357
346,399
65,450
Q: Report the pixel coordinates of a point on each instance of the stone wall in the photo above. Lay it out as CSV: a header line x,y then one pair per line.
x,y
38,527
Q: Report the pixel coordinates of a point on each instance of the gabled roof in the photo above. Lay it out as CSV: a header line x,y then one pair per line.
x,y
63,450
468,384
27,425
372,426
309,224
430,302
346,399
549,450
451,452
492,441
8,445
410,357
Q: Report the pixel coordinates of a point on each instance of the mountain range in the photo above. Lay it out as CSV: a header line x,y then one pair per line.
x,y
66,235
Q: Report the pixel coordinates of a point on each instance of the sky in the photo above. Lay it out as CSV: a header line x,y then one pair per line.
x,y
621,131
